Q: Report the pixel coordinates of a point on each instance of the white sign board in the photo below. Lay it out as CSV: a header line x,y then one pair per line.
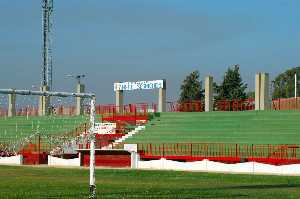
x,y
105,128
141,85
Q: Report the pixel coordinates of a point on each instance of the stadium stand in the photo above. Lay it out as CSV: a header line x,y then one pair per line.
x,y
21,129
265,136
250,127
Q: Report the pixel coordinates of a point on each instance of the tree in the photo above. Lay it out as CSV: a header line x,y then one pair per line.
x,y
251,95
191,88
232,86
284,84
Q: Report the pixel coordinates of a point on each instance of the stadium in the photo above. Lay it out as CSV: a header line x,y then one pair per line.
x,y
219,139
226,136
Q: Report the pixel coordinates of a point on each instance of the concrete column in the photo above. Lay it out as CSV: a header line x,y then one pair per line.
x,y
40,111
79,100
44,102
135,158
209,94
119,101
162,98
11,105
257,91
264,92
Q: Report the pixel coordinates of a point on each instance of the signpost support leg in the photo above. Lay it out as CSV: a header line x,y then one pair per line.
x,y
162,95
119,101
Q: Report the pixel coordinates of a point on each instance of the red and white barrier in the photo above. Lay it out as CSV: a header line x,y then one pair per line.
x,y
12,160
54,161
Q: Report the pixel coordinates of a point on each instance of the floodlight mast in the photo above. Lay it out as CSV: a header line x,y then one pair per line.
x,y
47,73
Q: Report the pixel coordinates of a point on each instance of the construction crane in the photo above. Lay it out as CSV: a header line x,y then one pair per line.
x,y
47,6
77,77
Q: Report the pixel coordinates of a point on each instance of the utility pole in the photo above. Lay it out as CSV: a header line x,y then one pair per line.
x,y
296,84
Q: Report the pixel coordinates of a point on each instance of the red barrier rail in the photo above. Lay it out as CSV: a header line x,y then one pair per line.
x,y
234,105
102,140
128,108
286,104
3,112
123,120
33,111
192,106
230,153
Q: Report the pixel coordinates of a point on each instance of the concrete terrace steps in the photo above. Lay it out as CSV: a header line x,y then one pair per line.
x,y
123,138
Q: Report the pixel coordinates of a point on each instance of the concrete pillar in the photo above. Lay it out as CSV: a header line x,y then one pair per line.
x,y
119,101
135,158
162,98
44,102
257,91
11,105
209,94
79,100
40,111
264,92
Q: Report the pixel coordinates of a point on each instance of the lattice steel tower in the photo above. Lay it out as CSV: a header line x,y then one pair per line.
x,y
47,6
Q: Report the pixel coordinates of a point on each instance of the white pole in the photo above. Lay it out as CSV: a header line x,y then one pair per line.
x,y
296,85
27,112
92,150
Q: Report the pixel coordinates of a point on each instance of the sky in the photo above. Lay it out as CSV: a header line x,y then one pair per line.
x,y
131,40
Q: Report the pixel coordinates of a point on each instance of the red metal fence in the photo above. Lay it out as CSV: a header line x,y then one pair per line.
x,y
3,112
286,104
234,105
129,115
230,153
30,111
128,108
192,106
220,105
102,140
33,111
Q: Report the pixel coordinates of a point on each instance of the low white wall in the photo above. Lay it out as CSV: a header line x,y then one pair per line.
x,y
54,161
209,166
13,160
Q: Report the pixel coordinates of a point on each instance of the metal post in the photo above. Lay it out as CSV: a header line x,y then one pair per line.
x,y
92,151
295,85
39,148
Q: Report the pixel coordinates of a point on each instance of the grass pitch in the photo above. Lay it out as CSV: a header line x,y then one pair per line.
x,y
43,182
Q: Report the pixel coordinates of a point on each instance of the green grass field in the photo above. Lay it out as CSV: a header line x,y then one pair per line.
x,y
40,182
250,127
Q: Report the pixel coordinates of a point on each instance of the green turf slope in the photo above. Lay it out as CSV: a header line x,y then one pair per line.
x,y
251,127
18,127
